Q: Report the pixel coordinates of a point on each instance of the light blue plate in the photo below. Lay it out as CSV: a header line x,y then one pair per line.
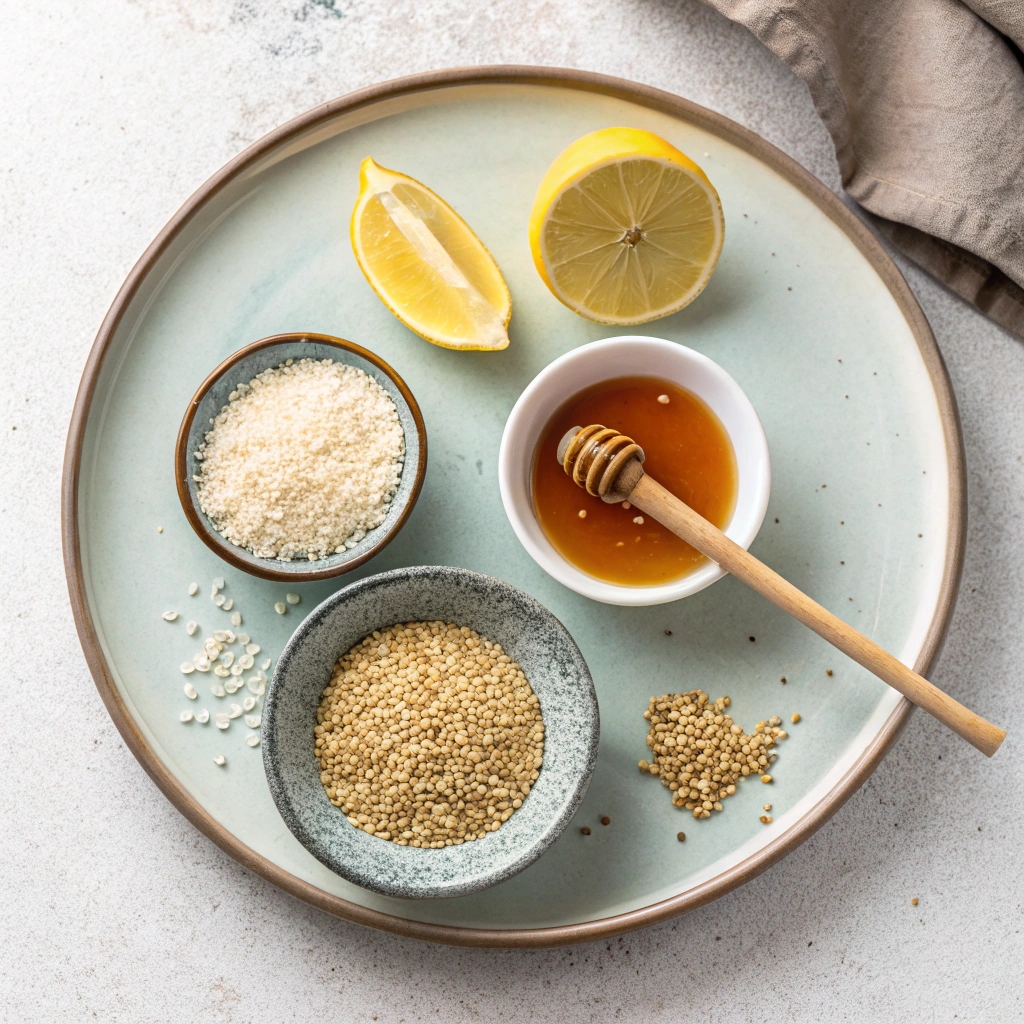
x,y
804,310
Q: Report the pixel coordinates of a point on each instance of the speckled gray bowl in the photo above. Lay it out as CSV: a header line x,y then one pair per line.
x,y
527,631
243,365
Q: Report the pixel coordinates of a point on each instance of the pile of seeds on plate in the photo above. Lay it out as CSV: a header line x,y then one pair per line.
x,y
232,661
428,735
700,753
303,460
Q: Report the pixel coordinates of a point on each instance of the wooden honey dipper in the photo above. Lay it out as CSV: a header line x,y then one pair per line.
x,y
609,466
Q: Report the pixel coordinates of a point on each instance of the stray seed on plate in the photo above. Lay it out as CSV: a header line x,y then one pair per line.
x,y
292,598
639,520
265,665
663,399
218,583
213,593
584,831
231,636
766,779
202,663
280,607
191,626
606,820
252,648
237,669
222,720
169,616
246,661
626,504
253,683
252,740
193,589
583,513
217,690
253,721
236,711
914,901
249,702
219,760
227,658
229,604
236,618
261,689
202,717
794,718
185,716
190,691
766,819
187,667
767,807
219,600
221,671
243,638
231,686
159,529
220,635
681,836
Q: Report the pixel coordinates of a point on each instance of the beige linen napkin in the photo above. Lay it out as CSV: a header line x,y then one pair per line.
x,y
924,100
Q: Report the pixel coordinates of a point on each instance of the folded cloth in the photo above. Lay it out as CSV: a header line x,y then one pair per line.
x,y
924,100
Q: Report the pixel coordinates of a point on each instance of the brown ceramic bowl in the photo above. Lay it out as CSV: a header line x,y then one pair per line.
x,y
242,366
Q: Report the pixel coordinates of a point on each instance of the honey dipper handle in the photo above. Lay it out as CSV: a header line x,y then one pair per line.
x,y
650,497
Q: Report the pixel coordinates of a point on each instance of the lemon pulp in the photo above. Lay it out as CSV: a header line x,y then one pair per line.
x,y
426,264
625,228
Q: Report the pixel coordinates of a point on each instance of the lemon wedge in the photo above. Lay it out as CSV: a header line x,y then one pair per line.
x,y
426,264
625,228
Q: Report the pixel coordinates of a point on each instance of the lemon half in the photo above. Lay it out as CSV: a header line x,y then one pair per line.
x,y
625,228
426,264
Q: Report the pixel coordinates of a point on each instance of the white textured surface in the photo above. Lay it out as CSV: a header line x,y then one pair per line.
x,y
113,907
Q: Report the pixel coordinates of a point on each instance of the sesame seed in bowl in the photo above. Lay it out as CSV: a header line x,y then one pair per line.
x,y
300,457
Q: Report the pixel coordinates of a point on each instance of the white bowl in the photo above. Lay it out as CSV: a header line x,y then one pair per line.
x,y
630,356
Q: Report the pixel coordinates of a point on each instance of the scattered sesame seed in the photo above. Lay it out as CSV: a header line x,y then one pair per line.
x,y
191,626
766,779
159,529
218,583
253,721
217,690
190,691
187,667
193,589
236,618
766,819
203,716
252,740
626,504
219,600
828,671
228,605
606,820
221,720
265,665
185,716
767,807
794,718
583,513
169,616
219,760
639,520
280,607
292,598
248,702
664,399
584,831
914,902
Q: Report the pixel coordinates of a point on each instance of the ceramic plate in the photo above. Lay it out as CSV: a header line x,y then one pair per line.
x,y
805,311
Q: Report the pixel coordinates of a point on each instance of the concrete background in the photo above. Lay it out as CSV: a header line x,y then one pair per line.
x,y
112,907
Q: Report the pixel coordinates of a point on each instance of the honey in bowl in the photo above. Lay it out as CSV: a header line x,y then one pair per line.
x,y
686,449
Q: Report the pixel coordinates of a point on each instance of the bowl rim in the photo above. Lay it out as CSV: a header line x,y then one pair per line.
x,y
227,551
533,848
511,462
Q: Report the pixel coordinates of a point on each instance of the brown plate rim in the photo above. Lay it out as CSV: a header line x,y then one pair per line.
x,y
643,95
227,551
